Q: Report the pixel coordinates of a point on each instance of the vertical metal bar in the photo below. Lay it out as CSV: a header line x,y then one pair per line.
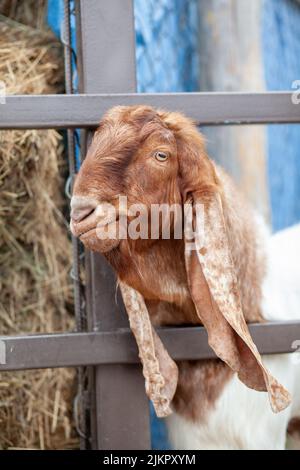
x,y
119,408
79,402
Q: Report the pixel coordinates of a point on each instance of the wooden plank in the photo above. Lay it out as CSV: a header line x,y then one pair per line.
x,y
85,110
120,416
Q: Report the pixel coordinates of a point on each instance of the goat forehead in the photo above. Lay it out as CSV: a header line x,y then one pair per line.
x,y
132,114
118,142
112,137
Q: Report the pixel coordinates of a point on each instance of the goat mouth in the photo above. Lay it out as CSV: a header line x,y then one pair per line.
x,y
87,228
95,232
87,232
78,233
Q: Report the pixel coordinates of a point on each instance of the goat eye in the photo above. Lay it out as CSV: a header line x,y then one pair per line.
x,y
161,156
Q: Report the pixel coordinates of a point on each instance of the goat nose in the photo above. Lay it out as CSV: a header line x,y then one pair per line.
x,y
81,207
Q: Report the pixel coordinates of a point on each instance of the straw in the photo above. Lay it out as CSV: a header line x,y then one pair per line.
x,y
35,250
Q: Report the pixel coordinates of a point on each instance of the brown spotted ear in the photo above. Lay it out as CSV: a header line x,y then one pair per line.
x,y
160,371
210,271
214,290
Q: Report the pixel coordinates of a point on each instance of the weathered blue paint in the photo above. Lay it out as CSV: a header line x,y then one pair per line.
x,y
166,45
281,48
55,16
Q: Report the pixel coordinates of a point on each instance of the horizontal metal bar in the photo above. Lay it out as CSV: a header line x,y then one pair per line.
x,y
85,111
118,347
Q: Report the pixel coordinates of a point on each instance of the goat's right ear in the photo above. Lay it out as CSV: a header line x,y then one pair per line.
x,y
211,273
160,371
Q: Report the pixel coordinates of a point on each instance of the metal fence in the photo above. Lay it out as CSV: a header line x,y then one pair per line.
x,y
116,402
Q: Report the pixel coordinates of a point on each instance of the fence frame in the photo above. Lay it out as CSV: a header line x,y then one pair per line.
x,y
85,110
118,405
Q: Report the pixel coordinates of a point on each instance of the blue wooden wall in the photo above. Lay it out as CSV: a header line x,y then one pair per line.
x,y
166,45
281,47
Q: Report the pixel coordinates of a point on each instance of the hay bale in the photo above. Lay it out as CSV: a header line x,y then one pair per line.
x,y
35,251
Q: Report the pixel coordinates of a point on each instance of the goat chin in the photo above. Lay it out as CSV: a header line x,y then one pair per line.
x,y
241,418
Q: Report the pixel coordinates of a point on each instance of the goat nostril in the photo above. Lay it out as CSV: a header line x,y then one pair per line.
x,y
81,208
79,214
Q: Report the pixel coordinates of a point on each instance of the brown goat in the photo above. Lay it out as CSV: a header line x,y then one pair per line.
x,y
158,157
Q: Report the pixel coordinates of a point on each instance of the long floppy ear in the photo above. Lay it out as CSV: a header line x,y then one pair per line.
x,y
160,371
210,270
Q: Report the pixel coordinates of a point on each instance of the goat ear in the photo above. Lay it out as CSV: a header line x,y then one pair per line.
x,y
160,371
212,280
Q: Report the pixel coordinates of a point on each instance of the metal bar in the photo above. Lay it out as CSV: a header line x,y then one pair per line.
x,y
119,414
85,111
79,310
108,46
90,404
119,347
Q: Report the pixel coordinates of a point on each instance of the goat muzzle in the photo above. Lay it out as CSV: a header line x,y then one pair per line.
x,y
89,221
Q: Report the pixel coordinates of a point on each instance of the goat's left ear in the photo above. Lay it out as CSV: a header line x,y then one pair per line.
x,y
211,273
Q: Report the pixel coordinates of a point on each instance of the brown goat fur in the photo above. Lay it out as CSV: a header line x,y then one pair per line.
x,y
120,161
